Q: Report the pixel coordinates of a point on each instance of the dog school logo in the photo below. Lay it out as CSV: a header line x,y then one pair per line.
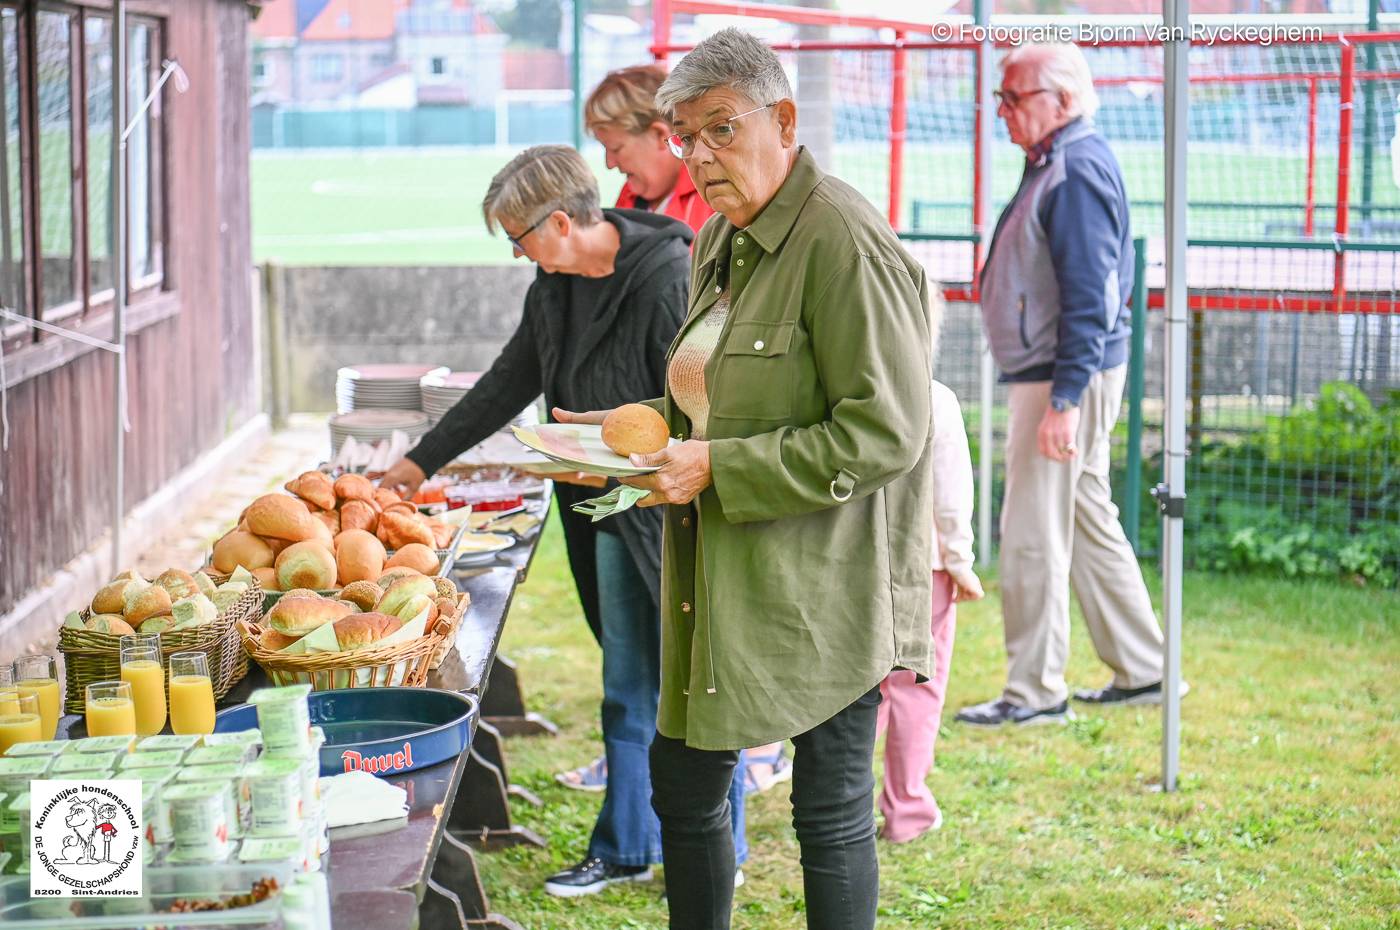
x,y
85,839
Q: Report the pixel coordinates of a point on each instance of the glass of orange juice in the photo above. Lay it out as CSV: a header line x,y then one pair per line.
x,y
191,694
23,726
110,709
142,670
38,675
9,694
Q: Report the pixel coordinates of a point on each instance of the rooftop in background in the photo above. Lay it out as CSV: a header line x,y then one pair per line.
x,y
365,20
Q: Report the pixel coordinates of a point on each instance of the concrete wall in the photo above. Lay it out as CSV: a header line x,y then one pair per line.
x,y
458,316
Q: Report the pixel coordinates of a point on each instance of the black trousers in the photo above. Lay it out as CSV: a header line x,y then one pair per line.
x,y
832,812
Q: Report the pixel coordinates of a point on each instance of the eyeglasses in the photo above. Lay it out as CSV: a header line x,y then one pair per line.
x,y
716,135
1013,99
516,240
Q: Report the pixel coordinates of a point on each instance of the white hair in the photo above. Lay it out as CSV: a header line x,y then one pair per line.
x,y
1061,68
730,58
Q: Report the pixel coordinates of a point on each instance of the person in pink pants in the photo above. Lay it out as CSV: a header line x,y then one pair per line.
x,y
910,712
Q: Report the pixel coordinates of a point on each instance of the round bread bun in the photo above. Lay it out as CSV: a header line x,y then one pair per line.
x,y
241,548
416,556
354,487
634,428
267,577
359,556
281,516
272,640
306,565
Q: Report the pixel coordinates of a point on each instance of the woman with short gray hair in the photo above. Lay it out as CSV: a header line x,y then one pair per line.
x,y
798,538
606,302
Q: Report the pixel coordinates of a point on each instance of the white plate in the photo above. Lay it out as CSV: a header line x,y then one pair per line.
x,y
579,446
482,547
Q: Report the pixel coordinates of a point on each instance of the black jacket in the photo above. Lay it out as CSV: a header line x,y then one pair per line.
x,y
615,353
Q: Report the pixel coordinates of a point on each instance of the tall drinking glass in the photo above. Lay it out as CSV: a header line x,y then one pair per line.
x,y
142,670
38,675
110,709
22,726
191,694
9,694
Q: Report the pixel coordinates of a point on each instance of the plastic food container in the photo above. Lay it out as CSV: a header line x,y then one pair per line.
x,y
231,777
17,772
72,764
285,849
103,744
239,738
156,759
275,785
199,820
17,811
284,719
221,755
167,741
48,748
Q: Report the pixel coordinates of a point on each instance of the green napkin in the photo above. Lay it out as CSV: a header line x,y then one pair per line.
x,y
620,498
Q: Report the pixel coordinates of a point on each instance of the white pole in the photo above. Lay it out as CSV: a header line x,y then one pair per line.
x,y
1171,497
987,368
119,277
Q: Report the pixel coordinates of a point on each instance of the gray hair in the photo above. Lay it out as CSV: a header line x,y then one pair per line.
x,y
730,58
538,181
1063,69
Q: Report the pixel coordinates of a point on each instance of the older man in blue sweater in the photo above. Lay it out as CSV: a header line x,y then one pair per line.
x,y
1055,291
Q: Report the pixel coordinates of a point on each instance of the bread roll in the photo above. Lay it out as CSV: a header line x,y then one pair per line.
x,y
635,428
223,600
130,574
403,507
239,548
314,487
404,590
403,530
331,518
297,615
306,565
205,583
395,574
108,599
267,577
416,605
281,516
416,556
302,592
178,584
363,594
445,587
158,624
360,630
193,611
358,557
272,640
386,496
442,533
358,515
354,487
276,545
144,603
106,623
323,534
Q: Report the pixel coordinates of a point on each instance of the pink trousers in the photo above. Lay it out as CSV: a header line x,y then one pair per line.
x,y
910,715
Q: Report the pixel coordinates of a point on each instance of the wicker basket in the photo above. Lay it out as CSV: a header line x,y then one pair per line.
x,y
91,657
400,665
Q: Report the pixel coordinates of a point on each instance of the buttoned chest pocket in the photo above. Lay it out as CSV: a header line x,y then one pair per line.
x,y
755,375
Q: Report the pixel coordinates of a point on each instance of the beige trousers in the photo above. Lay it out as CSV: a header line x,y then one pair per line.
x,y
1060,529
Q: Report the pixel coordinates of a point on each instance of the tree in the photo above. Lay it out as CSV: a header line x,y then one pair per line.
x,y
533,22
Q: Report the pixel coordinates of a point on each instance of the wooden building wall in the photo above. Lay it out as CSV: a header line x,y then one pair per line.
x,y
192,371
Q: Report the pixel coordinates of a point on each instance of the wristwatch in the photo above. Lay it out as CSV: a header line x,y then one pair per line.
x,y
1060,405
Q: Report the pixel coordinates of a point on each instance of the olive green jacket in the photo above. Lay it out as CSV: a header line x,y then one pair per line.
x,y
799,578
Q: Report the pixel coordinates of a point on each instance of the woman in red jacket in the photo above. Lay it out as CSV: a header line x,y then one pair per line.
x,y
621,114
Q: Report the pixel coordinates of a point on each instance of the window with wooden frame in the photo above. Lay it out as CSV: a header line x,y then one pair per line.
x,y
56,210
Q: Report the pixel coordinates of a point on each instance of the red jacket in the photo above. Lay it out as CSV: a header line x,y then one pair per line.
x,y
685,204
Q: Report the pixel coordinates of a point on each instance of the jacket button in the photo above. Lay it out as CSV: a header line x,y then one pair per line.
x,y
739,241
685,607
740,263
758,345
685,521
717,288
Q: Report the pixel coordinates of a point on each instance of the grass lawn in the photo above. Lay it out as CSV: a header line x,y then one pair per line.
x,y
1288,814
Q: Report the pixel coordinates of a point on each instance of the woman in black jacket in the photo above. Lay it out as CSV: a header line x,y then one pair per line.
x,y
609,297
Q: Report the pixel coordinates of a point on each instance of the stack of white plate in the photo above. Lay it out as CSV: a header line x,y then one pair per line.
x,y
441,390
372,426
381,387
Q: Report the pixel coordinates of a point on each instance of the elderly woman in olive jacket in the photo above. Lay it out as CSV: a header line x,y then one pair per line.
x,y
797,510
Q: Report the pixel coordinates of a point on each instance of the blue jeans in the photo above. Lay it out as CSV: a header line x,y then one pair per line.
x,y
627,831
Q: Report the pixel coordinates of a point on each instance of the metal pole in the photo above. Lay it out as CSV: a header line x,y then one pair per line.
x,y
1312,159
898,90
578,73
1132,499
981,209
119,274
660,28
1171,497
1368,116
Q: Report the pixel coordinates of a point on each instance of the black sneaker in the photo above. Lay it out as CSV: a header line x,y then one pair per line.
x,y
1147,694
593,875
995,713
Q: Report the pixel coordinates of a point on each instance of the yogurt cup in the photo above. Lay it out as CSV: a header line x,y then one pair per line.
x,y
231,777
275,785
48,748
284,719
73,763
221,755
103,744
237,738
16,772
18,810
154,759
157,815
199,821
264,849
166,741
150,805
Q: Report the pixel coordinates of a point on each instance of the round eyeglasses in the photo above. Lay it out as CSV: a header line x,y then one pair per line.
x,y
716,135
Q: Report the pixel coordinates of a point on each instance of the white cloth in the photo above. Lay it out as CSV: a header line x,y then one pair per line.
x,y
952,483
359,797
